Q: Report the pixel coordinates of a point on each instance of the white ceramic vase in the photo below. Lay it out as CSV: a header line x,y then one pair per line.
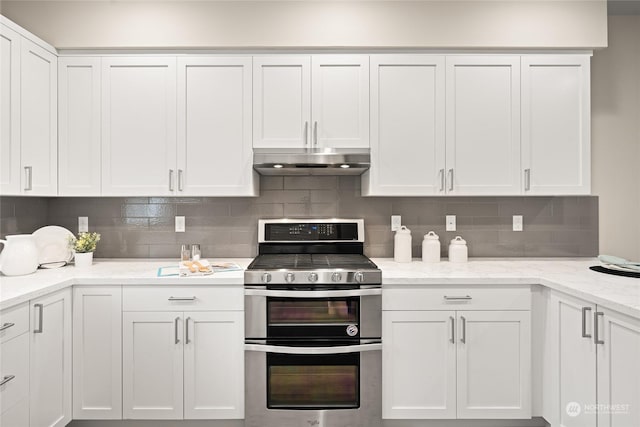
x,y
84,260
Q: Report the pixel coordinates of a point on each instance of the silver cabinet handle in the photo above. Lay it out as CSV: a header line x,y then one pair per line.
x,y
186,331
441,173
170,179
40,308
315,133
463,337
176,330
6,326
527,179
458,298
28,177
6,379
596,333
450,179
584,322
180,180
182,298
453,329
306,133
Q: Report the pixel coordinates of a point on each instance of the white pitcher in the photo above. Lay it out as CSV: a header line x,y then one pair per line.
x,y
19,256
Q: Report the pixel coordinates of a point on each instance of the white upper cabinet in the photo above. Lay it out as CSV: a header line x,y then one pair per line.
x,y
9,111
556,126
215,156
319,101
138,126
79,126
483,125
407,126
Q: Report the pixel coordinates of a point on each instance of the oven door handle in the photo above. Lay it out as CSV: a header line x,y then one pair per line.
x,y
282,349
312,294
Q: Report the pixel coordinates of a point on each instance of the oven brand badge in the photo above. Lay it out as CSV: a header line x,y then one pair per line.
x,y
313,422
352,330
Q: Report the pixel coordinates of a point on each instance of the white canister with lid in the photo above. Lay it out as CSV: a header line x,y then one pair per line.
x,y
458,251
402,245
431,247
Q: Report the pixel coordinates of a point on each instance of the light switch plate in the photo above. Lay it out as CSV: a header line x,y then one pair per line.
x,y
451,223
396,222
83,224
517,223
180,224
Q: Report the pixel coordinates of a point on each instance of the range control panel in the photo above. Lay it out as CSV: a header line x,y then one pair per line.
x,y
310,231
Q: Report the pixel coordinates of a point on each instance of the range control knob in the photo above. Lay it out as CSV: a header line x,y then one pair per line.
x,y
313,277
266,277
289,278
359,276
336,277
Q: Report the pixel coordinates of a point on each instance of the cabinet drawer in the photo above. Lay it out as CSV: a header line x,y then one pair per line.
x,y
458,298
182,298
14,371
14,321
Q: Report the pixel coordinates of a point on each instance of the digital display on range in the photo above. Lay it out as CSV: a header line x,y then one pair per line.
x,y
293,232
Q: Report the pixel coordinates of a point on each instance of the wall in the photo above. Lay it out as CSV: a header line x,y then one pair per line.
x,y
22,214
141,227
309,23
616,137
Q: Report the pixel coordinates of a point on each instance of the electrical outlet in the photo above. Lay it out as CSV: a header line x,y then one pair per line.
x,y
451,223
517,223
180,224
396,222
83,224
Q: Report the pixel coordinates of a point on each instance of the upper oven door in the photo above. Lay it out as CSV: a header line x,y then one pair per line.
x,y
319,314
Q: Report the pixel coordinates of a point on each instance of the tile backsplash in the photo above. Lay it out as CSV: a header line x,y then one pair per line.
x,y
143,227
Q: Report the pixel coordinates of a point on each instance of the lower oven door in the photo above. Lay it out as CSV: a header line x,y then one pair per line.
x,y
288,386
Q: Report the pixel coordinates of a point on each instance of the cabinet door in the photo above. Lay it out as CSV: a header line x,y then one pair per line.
x,y
138,126
9,112
407,126
418,364
340,101
50,364
214,365
494,364
556,126
38,120
483,125
618,370
97,353
281,101
14,373
215,156
573,361
152,365
79,126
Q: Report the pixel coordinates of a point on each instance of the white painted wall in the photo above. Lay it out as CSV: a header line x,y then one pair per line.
x,y
615,82
314,23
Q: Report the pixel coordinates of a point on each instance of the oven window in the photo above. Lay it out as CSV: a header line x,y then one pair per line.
x,y
284,311
313,381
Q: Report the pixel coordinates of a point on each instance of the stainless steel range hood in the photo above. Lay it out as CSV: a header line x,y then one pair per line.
x,y
311,161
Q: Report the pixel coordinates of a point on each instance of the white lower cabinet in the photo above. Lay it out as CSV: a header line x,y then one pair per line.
x,y
446,362
50,361
14,367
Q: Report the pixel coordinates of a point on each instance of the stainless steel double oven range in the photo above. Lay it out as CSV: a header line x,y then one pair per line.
x,y
312,327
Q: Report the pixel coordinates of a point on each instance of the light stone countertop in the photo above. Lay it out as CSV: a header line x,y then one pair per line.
x,y
571,276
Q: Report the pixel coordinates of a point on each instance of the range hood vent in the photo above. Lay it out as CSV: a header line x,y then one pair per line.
x,y
311,161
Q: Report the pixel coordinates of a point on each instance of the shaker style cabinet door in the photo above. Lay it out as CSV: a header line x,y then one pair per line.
x,y
79,126
138,126
418,365
10,167
483,125
215,156
281,101
407,126
556,125
50,362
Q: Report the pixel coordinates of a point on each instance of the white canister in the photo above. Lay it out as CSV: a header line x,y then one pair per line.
x,y
458,251
402,245
431,247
